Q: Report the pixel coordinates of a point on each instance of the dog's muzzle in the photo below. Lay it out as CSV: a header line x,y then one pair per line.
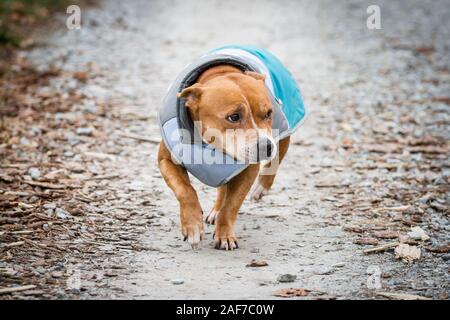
x,y
265,149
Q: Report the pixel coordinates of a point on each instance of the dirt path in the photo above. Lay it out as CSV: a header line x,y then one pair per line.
x,y
374,97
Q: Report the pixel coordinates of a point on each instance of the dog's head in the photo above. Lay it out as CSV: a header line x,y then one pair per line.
x,y
233,113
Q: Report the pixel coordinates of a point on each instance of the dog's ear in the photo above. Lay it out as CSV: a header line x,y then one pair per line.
x,y
192,95
256,75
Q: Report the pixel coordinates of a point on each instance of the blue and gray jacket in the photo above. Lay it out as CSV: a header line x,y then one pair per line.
x,y
209,165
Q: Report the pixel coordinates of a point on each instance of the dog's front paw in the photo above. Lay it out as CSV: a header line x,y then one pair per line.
x,y
258,192
212,216
225,239
192,229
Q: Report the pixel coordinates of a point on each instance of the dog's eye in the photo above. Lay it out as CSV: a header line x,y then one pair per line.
x,y
268,115
235,117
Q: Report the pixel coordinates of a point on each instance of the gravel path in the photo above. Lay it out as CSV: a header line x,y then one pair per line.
x,y
375,98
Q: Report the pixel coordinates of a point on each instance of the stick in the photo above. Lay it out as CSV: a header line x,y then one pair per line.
x,y
139,138
400,208
402,296
13,244
15,289
381,248
103,177
45,185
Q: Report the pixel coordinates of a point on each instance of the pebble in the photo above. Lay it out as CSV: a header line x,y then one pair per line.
x,y
34,173
49,212
57,274
324,270
85,131
287,277
446,257
339,265
50,205
177,281
60,213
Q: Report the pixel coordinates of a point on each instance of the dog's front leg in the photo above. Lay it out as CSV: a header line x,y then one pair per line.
x,y
236,191
177,179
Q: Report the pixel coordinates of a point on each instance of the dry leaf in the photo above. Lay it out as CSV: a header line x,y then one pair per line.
x,y
407,253
402,296
292,292
417,233
386,234
364,241
257,263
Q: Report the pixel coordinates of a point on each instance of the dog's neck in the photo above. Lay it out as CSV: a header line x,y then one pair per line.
x,y
217,71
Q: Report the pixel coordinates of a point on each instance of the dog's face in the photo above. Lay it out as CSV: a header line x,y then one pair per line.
x,y
233,112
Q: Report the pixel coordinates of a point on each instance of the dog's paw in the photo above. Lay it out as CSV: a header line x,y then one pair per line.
x,y
212,217
193,232
258,192
224,240
226,243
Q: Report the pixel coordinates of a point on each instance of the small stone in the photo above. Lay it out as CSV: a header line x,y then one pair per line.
x,y
339,265
254,250
417,233
57,274
85,131
287,277
50,205
446,257
60,213
177,281
323,271
34,173
49,212
110,273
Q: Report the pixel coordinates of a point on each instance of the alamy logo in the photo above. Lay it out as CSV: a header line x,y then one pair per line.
x,y
374,19
74,20
374,279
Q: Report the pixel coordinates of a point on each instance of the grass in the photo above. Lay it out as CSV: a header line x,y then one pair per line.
x,y
18,17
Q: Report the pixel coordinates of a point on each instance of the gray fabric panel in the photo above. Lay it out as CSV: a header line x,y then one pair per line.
x,y
208,165
279,121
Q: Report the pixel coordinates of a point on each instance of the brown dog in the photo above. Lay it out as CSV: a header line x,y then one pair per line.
x,y
225,99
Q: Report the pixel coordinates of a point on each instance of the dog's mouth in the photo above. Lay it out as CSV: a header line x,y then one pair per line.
x,y
245,148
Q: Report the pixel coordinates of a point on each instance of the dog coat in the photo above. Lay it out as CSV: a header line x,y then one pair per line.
x,y
200,159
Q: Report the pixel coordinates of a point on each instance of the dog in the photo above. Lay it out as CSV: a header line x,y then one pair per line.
x,y
237,105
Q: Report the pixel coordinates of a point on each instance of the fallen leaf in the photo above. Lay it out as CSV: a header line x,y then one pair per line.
x,y
407,253
257,263
402,296
365,241
439,249
292,292
80,76
417,233
386,234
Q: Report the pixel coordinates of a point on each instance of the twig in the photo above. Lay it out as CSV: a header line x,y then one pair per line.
x,y
400,208
45,185
22,232
402,296
103,177
381,248
331,185
136,137
15,289
13,244
40,245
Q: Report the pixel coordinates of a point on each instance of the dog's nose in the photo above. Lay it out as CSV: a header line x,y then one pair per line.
x,y
269,149
265,149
